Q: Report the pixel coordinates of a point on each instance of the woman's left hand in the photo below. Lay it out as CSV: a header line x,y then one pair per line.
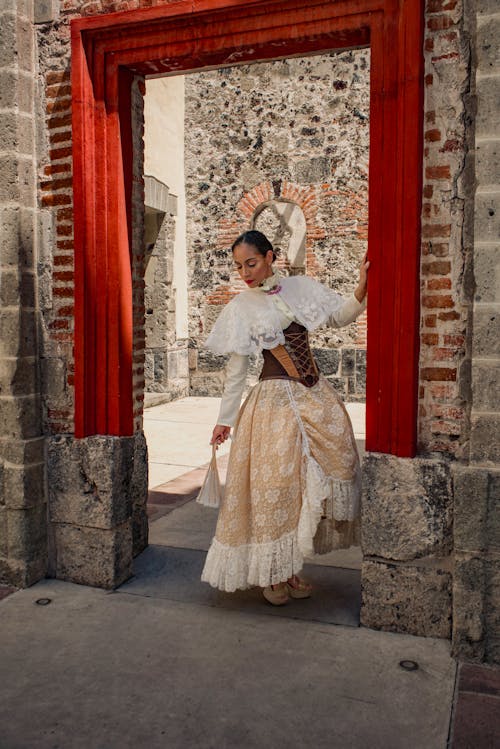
x,y
360,291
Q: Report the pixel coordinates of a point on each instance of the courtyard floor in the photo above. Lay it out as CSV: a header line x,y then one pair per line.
x,y
166,661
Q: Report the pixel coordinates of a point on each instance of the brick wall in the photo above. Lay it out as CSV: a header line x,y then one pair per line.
x,y
446,250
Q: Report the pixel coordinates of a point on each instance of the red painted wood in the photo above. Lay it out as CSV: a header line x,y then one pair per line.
x,y
199,34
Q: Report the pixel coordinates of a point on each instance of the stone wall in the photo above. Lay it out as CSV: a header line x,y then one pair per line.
x,y
281,147
23,509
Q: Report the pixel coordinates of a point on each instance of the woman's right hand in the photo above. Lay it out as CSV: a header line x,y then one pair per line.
x,y
220,434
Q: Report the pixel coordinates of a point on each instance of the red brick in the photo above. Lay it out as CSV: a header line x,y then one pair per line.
x,y
65,214
64,230
444,354
63,260
53,92
57,184
63,275
438,374
60,153
437,6
433,135
437,301
67,311
438,23
57,77
430,117
429,44
58,105
442,391
57,169
60,136
438,284
438,172
65,244
451,146
428,190
447,56
436,230
430,321
53,200
454,340
59,121
429,339
447,412
446,316
63,292
445,427
429,79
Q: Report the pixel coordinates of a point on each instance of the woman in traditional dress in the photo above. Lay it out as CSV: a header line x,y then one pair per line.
x,y
293,479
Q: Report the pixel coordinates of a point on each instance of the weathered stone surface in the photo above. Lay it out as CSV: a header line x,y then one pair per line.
x,y
486,341
22,416
4,546
485,385
487,216
22,574
139,492
17,333
410,599
27,533
209,362
328,360
487,272
487,162
476,508
476,607
89,480
93,556
18,376
407,507
488,112
484,439
24,486
22,451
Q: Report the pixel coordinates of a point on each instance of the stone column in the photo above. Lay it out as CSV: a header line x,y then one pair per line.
x,y
476,593
23,527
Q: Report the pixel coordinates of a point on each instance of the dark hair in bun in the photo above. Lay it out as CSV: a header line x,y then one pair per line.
x,y
257,240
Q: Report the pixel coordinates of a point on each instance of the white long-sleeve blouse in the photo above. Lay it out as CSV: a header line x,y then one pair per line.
x,y
256,318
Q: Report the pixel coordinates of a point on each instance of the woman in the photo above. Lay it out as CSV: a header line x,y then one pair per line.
x,y
293,461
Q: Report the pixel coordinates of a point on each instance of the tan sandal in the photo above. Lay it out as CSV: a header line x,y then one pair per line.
x,y
277,595
298,588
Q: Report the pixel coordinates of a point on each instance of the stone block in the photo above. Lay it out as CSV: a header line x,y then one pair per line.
x,y
46,11
21,574
17,289
27,533
17,333
4,547
476,608
89,480
24,486
209,362
488,44
139,494
21,417
328,360
54,377
486,7
348,363
16,237
485,384
487,272
484,438
315,169
407,507
8,51
340,385
93,556
18,376
487,216
486,333
414,600
487,162
476,524
9,80
22,451
17,133
9,179
488,111
206,384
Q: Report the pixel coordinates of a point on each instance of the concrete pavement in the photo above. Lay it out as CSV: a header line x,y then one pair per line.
x,y
166,661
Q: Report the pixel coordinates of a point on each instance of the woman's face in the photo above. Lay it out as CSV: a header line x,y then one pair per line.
x,y
251,265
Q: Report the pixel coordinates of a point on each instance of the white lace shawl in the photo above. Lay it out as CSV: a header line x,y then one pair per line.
x,y
250,322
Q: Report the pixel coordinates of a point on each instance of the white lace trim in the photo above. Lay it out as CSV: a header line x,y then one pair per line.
x,y
233,568
251,322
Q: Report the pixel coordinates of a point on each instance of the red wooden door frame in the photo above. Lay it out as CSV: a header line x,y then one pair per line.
x,y
188,35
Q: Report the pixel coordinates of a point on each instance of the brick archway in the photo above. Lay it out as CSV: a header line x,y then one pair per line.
x,y
109,50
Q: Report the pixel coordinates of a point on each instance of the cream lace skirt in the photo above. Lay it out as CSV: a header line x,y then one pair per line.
x,y
293,475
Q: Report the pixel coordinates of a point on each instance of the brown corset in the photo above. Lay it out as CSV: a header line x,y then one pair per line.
x,y
291,361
